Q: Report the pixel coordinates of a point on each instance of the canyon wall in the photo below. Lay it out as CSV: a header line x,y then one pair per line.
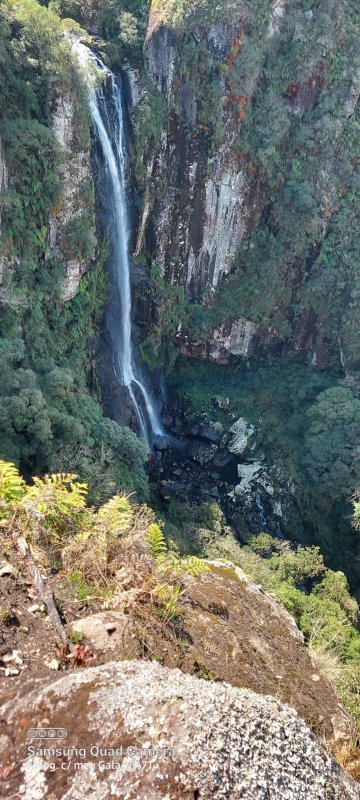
x,y
254,154
77,194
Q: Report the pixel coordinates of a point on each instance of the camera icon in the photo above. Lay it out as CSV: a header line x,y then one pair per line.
x,y
47,733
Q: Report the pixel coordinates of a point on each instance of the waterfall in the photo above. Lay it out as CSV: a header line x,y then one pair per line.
x,y
109,129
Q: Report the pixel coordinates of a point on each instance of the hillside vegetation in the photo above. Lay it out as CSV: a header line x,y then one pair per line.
x,y
49,394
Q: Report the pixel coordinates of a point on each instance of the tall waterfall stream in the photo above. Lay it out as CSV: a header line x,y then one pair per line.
x,y
109,129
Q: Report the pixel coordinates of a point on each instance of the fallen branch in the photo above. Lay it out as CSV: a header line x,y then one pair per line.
x,y
42,589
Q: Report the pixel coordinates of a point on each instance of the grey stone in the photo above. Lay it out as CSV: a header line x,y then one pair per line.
x,y
242,434
226,743
106,631
202,453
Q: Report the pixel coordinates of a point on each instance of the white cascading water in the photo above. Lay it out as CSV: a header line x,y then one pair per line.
x,y
110,134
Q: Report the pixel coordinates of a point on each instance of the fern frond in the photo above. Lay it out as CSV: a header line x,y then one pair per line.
x,y
163,591
60,494
117,515
156,540
194,566
169,596
12,486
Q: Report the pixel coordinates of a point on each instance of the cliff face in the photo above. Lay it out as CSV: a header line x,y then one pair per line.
x,y
207,195
252,158
3,186
77,193
3,174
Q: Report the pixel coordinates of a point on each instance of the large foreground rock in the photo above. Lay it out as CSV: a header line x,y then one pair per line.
x,y
176,737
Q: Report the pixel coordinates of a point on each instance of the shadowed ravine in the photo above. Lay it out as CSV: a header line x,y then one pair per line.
x,y
109,129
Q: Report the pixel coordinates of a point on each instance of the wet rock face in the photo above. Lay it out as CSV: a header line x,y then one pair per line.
x,y
205,206
168,736
160,56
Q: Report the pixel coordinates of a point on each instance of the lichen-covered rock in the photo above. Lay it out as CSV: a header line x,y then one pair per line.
x,y
241,635
142,732
248,474
242,433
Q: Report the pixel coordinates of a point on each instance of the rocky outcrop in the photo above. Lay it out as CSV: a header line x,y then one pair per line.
x,y
242,433
142,731
76,176
243,636
239,339
108,631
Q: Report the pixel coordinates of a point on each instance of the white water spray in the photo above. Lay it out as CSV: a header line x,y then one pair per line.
x,y
110,133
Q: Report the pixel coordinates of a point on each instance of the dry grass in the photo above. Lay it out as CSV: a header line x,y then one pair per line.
x,y
347,756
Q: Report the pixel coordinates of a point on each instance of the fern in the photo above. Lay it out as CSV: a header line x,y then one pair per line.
x,y
117,516
194,566
114,519
156,541
57,495
169,596
53,506
12,486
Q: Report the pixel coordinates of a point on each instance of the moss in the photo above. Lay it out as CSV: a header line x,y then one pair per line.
x,y
6,615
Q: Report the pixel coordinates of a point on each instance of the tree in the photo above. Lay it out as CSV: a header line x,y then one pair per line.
x,y
114,462
332,451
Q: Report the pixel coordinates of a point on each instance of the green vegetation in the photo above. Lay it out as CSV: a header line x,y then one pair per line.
x,y
121,24
308,426
185,14
5,615
47,413
62,530
150,117
159,349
